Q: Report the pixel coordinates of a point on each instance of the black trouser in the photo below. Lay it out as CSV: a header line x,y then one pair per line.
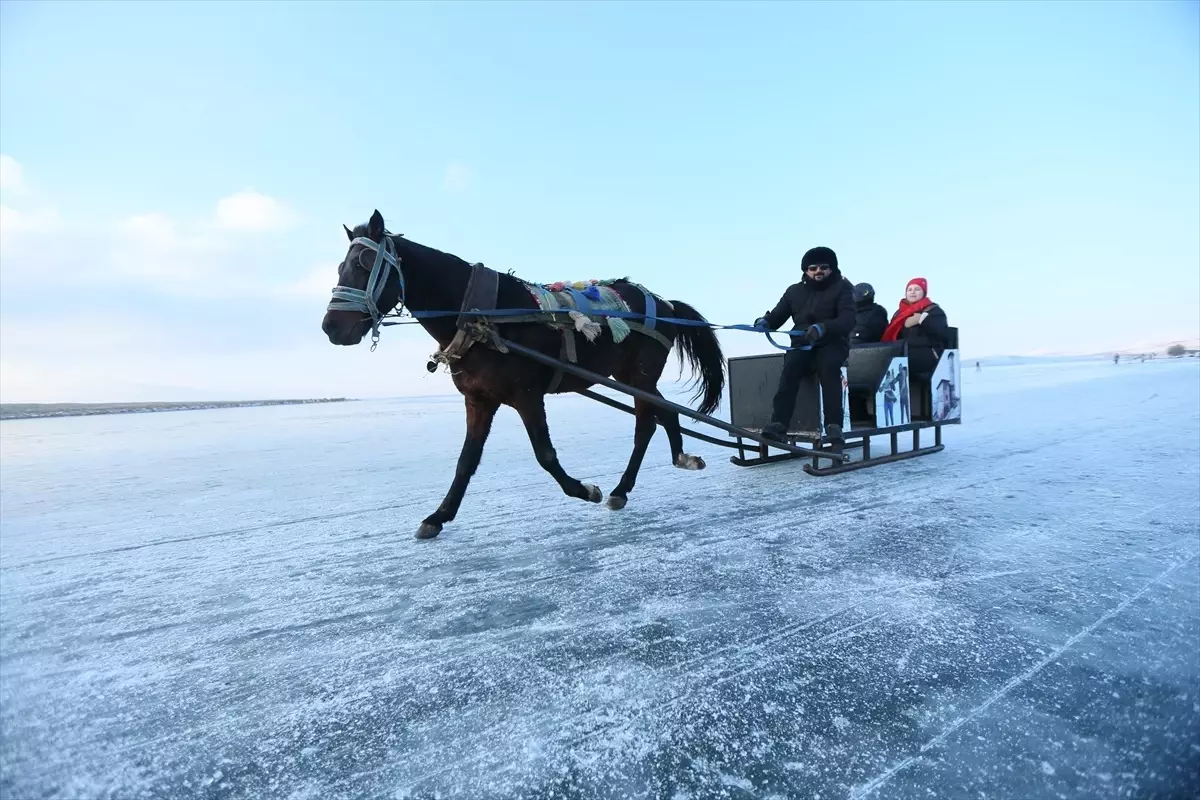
x,y
826,360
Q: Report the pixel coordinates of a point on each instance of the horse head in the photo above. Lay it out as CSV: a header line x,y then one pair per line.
x,y
370,285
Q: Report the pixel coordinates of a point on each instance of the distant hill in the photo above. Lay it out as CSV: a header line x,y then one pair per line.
x,y
1136,349
37,410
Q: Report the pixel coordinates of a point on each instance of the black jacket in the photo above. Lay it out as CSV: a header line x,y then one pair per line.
x,y
933,332
829,304
871,320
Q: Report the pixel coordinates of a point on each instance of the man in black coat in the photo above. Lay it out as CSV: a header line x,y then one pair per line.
x,y
871,319
822,304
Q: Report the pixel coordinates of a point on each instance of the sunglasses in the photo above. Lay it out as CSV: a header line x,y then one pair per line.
x,y
818,268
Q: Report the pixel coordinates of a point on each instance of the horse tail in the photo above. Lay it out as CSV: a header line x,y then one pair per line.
x,y
699,343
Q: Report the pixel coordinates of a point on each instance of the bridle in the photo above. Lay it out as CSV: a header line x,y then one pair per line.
x,y
366,301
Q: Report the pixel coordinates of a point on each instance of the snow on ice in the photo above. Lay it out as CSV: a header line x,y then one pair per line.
x,y
230,604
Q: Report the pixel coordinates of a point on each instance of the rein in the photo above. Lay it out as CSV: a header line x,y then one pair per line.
x,y
347,298
500,313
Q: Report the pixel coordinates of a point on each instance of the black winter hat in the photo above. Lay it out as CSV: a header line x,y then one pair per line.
x,y
864,293
819,255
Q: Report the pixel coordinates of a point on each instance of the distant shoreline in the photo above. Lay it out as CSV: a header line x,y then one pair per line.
x,y
42,410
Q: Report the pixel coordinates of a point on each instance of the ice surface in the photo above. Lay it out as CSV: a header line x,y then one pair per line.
x,y
230,604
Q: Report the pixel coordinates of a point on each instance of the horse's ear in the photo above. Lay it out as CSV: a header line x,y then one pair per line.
x,y
375,226
349,233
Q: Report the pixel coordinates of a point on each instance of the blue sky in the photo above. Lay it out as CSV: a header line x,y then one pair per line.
x,y
176,175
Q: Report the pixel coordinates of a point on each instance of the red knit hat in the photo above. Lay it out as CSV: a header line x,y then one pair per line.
x,y
924,284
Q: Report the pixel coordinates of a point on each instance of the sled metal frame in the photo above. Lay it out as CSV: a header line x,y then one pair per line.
x,y
856,439
752,385
790,449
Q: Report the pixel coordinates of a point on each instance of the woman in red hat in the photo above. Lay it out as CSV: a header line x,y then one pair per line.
x,y
922,323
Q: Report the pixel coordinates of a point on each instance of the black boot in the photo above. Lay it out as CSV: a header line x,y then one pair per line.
x,y
776,431
833,435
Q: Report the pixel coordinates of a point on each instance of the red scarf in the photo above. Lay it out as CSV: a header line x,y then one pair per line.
x,y
905,311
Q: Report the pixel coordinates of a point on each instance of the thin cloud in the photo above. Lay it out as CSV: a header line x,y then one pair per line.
x,y
12,177
317,284
15,223
21,221
249,210
154,246
203,259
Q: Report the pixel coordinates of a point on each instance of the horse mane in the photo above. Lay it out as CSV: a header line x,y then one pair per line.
x,y
433,252
421,250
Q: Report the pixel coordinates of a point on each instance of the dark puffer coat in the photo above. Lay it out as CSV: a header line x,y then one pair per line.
x,y
828,303
870,321
933,332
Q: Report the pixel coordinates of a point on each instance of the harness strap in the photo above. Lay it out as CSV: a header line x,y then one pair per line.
x,y
569,346
657,336
457,348
483,289
651,311
566,352
582,304
482,293
556,379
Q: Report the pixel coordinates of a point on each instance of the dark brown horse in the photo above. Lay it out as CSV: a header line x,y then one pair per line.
x,y
382,270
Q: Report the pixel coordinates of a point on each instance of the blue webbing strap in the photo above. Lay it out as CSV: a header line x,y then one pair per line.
x,y
651,310
500,313
582,304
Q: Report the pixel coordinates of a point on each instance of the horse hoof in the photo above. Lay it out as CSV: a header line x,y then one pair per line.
x,y
594,493
616,502
428,530
689,462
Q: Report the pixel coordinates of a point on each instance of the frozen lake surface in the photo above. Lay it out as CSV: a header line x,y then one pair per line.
x,y
230,604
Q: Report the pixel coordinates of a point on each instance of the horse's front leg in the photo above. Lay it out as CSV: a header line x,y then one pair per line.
x,y
480,413
532,408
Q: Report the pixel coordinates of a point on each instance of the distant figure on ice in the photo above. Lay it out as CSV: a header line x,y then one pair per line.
x,y
921,323
977,366
870,318
823,304
1116,358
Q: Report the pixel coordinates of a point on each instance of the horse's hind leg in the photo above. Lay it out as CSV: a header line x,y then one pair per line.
x,y
480,413
643,432
645,376
670,423
647,381
532,409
